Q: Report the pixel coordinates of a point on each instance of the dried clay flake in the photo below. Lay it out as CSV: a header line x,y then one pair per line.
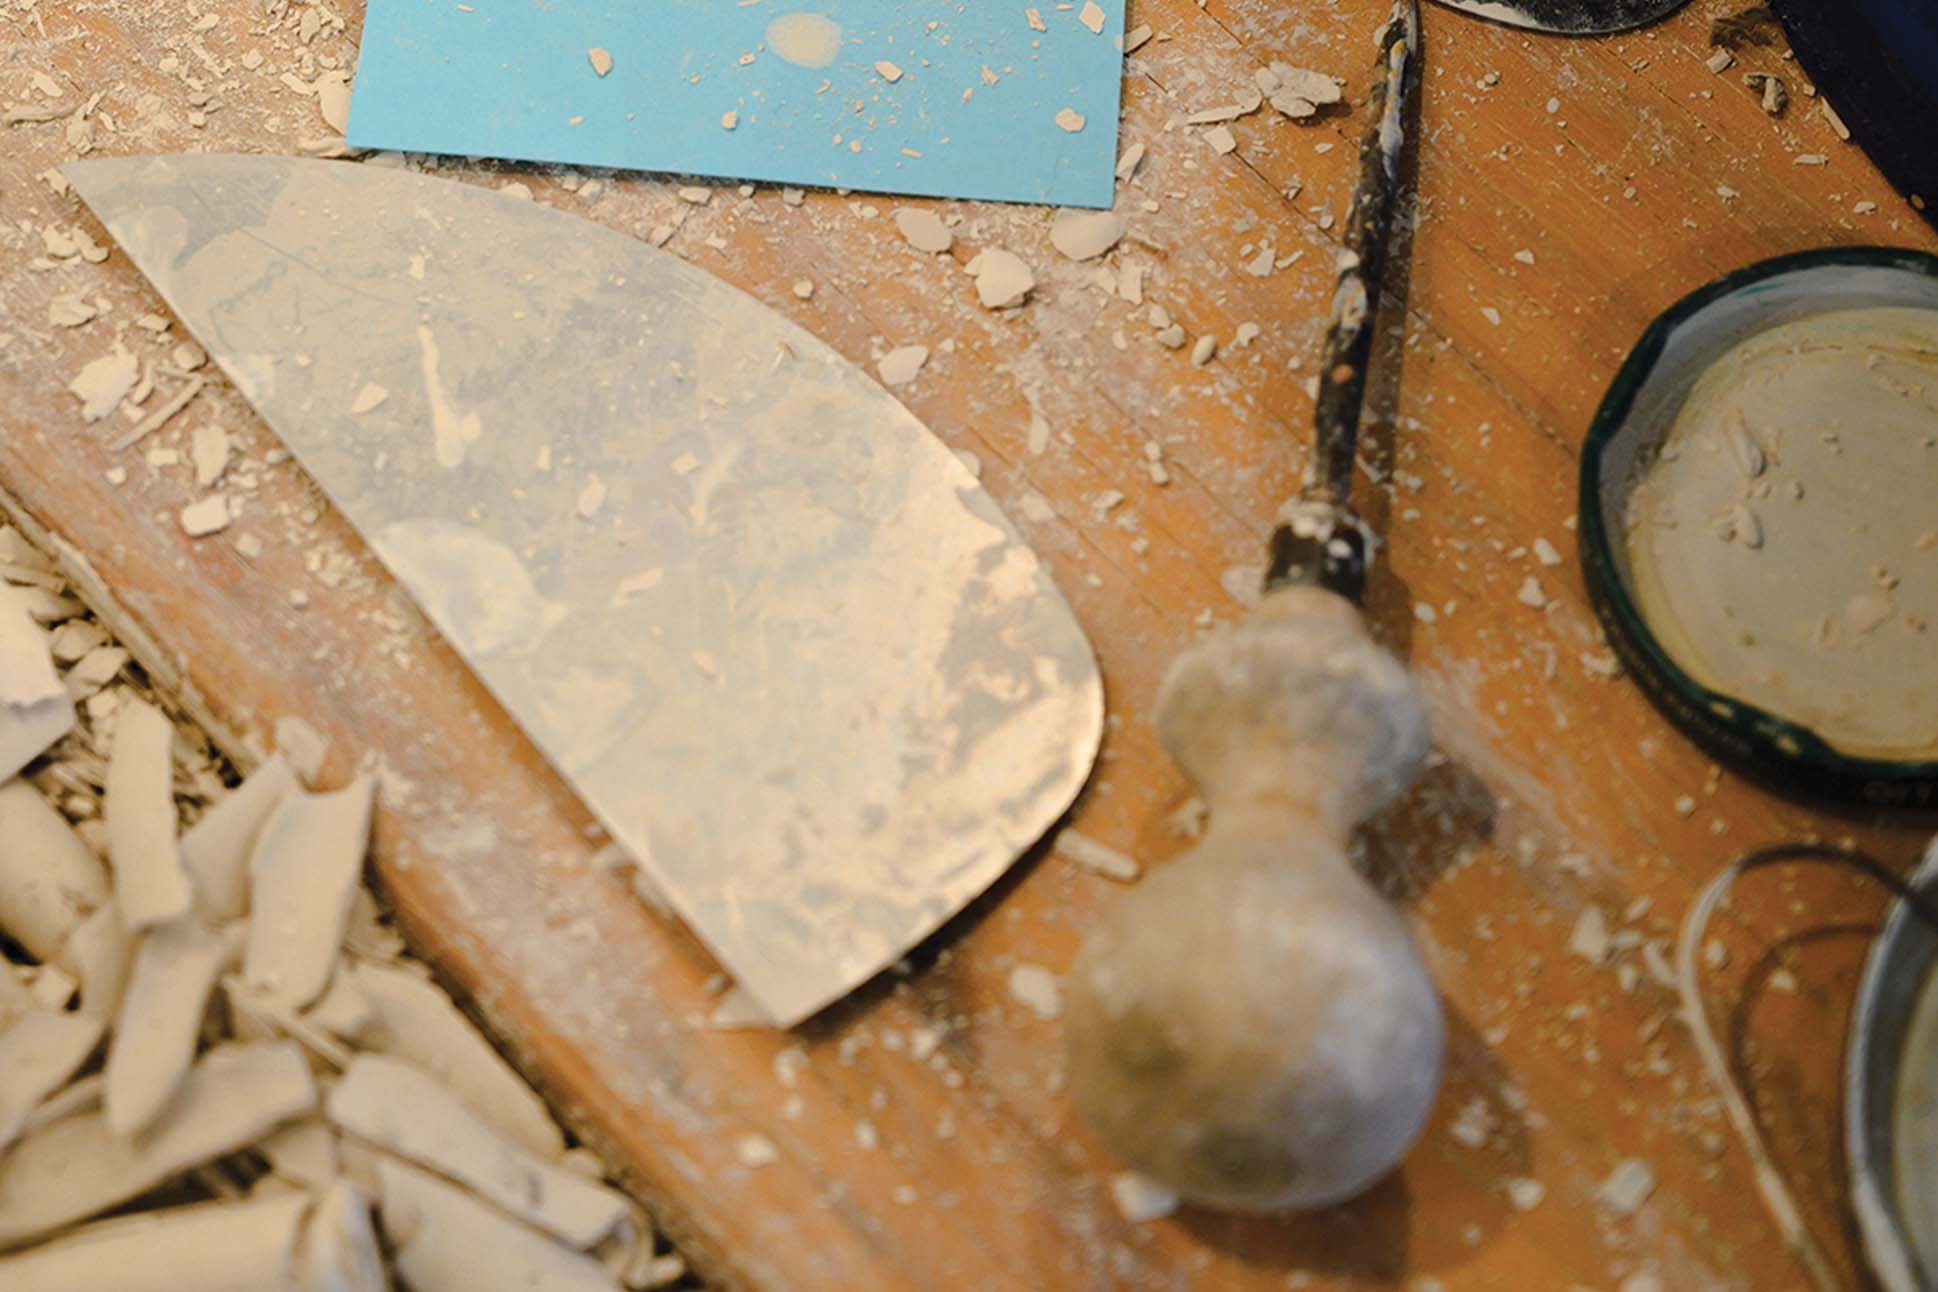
x,y
71,310
160,1019
304,1153
1097,857
78,1167
899,366
417,1022
244,1246
34,707
1002,279
339,1250
923,230
304,872
205,516
343,1010
149,880
42,1052
333,100
209,452
1295,91
216,848
101,953
447,1241
50,881
391,1104
1085,235
104,383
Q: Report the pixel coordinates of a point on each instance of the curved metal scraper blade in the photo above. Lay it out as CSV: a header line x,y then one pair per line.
x,y
1570,17
769,627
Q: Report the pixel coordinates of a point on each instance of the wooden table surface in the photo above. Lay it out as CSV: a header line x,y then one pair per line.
x,y
1567,192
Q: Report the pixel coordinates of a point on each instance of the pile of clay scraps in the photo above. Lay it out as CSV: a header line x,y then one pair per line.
x,y
212,1034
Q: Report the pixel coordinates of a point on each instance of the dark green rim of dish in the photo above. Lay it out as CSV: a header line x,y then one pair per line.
x,y
1750,739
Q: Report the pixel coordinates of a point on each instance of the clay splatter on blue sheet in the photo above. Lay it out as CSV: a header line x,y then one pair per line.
x,y
1007,100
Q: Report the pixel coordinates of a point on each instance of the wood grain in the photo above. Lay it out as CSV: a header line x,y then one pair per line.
x,y
1627,171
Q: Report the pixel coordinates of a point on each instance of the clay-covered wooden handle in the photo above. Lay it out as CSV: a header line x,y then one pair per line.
x,y
1253,1025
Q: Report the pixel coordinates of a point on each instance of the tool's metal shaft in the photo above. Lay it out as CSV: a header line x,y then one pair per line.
x,y
1319,540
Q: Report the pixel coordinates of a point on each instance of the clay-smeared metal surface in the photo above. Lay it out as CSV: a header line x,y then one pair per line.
x,y
770,628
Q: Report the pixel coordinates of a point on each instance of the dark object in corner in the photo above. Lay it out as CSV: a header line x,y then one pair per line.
x,y
1877,63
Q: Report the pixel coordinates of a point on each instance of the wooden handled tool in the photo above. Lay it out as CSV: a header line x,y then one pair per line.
x,y
1253,1026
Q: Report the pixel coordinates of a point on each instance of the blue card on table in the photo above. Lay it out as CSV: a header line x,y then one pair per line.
x,y
1009,101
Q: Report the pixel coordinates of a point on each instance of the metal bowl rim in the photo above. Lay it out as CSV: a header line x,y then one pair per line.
x,y
1873,1183
1764,742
